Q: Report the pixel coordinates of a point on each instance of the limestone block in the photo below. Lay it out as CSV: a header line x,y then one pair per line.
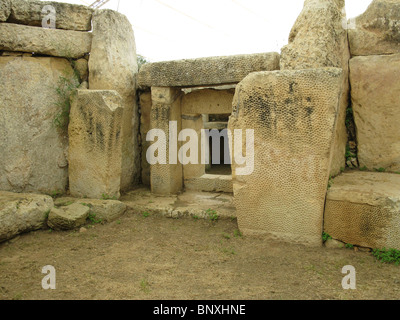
x,y
376,104
145,111
166,106
22,213
318,40
68,217
205,71
293,115
208,101
51,42
377,30
363,208
105,210
95,144
5,10
33,150
68,16
113,66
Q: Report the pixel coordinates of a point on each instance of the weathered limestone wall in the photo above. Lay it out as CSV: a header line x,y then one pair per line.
x,y
95,142
33,155
318,39
293,115
36,91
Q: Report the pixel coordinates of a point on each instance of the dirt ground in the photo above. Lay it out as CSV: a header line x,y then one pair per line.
x,y
147,258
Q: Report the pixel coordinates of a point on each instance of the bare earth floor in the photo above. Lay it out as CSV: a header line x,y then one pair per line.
x,y
153,257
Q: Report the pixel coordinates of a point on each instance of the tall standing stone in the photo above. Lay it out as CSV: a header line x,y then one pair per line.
x,y
113,66
166,178
319,39
293,115
95,140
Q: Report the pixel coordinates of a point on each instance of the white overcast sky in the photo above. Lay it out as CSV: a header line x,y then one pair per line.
x,y
184,29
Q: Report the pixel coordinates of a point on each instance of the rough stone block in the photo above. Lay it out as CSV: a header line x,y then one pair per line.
x,y
68,16
95,136
5,10
166,106
33,151
205,71
377,30
51,42
68,217
22,213
293,115
363,208
113,66
105,210
376,104
318,39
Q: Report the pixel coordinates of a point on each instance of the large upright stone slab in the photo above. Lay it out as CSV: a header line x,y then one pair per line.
x,y
33,150
293,115
113,66
95,140
68,16
376,103
363,208
318,39
166,178
51,42
377,30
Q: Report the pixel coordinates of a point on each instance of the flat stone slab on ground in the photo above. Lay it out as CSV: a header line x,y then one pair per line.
x,y
187,204
104,210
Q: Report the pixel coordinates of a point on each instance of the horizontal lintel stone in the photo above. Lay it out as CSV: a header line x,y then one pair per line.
x,y
206,71
52,42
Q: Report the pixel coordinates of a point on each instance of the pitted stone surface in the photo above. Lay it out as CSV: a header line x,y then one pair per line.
x,y
293,115
205,71
363,208
113,66
95,154
318,39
